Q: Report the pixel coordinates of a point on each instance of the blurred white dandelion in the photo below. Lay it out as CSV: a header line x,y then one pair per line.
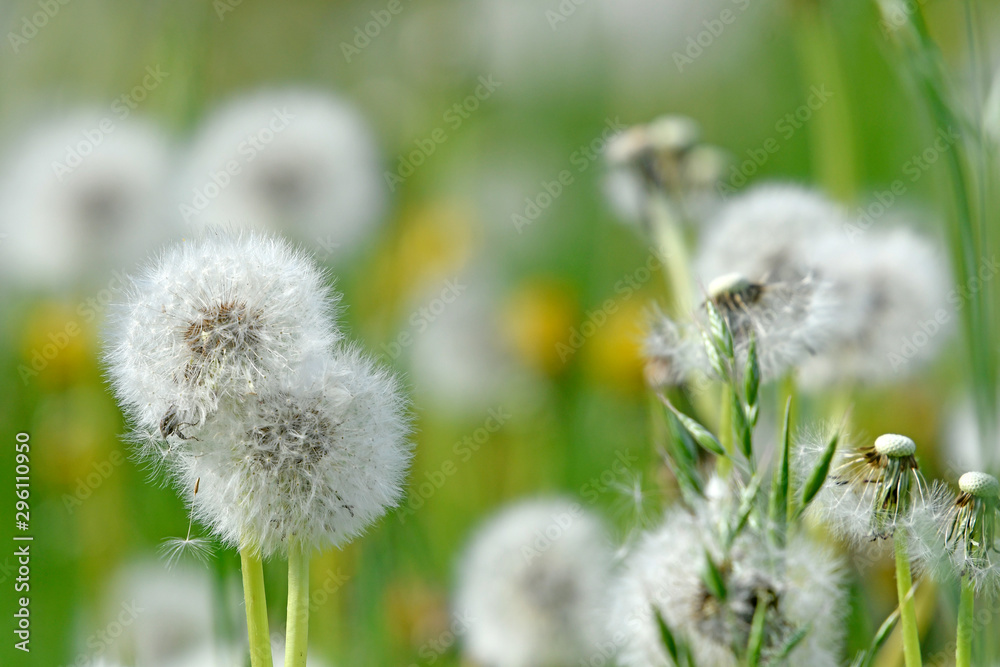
x,y
900,283
532,584
76,198
802,584
300,161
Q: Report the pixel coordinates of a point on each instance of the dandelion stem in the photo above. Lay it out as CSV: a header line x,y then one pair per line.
x,y
667,237
907,608
253,595
963,637
297,628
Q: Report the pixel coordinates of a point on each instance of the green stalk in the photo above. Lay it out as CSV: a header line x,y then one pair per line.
x,y
297,623
725,463
965,235
907,608
253,595
667,236
831,131
963,638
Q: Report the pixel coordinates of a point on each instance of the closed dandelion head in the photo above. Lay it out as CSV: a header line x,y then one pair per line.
x,y
71,206
313,461
531,586
799,586
308,166
213,320
871,489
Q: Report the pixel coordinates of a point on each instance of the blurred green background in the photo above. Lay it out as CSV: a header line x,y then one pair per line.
x,y
566,418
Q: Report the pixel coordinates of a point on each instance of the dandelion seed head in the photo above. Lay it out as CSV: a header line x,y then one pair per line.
x,y
979,484
532,584
65,220
895,446
891,288
315,460
317,176
769,233
801,584
212,320
870,490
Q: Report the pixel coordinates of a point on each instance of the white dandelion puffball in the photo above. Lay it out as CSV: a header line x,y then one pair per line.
x,y
313,461
531,586
666,572
169,612
900,282
300,161
212,319
80,194
769,233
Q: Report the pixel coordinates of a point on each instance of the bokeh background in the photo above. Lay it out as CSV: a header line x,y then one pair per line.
x,y
476,297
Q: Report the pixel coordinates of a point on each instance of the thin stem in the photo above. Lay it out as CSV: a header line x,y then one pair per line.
x,y
253,595
831,132
724,463
297,628
907,608
667,237
963,637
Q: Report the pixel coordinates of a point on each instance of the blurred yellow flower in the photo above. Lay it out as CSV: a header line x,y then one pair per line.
x,y
538,318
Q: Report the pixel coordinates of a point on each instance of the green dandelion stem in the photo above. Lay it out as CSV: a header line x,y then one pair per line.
x,y
253,595
297,623
963,637
907,607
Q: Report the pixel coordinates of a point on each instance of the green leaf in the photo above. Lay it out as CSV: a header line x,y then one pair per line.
x,y
699,433
790,645
756,642
744,435
714,358
714,581
867,656
721,335
779,486
682,457
819,473
751,375
667,637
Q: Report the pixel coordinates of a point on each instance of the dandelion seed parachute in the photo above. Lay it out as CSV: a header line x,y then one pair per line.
x,y
665,571
309,168
531,586
213,320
